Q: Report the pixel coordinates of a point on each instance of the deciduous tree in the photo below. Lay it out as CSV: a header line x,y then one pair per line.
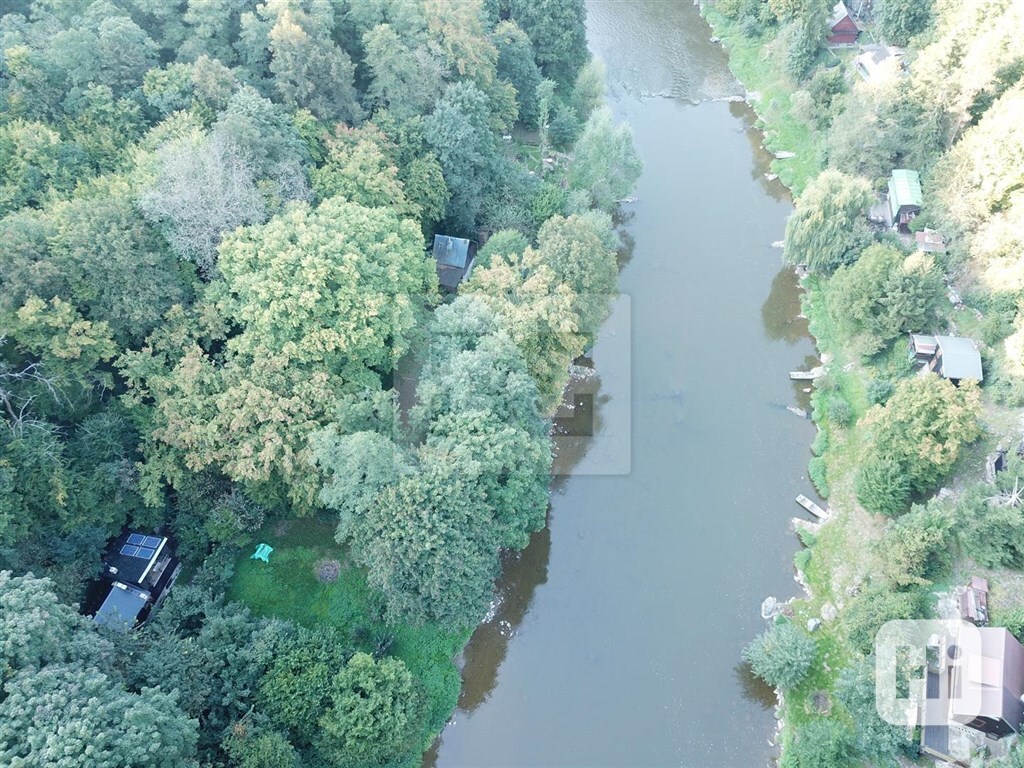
x,y
605,162
828,228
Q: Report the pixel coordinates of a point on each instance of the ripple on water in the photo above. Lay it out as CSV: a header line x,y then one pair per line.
x,y
663,49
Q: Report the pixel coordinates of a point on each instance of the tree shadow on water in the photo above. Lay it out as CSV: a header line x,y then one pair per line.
x,y
754,688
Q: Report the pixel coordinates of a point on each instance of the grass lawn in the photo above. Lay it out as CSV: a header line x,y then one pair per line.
x,y
287,587
763,75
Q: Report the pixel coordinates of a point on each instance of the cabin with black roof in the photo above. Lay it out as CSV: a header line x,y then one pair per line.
x,y
138,572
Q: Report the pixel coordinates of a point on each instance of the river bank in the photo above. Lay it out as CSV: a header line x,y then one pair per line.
x,y
769,93
849,554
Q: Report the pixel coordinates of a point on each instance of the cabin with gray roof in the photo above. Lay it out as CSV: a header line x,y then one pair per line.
x,y
454,258
978,684
875,61
956,358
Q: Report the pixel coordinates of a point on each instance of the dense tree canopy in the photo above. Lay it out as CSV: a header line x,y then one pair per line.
x,y
214,217
325,299
921,429
886,294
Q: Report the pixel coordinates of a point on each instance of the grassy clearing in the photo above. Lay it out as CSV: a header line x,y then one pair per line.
x,y
762,74
288,588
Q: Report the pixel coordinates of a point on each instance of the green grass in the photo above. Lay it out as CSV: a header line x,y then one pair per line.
x,y
287,588
762,73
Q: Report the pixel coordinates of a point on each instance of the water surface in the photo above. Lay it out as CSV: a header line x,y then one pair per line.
x,y
618,636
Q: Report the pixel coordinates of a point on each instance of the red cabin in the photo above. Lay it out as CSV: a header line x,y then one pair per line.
x,y
842,29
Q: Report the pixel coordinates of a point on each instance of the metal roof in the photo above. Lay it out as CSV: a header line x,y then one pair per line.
x,y
960,357
904,188
451,251
122,607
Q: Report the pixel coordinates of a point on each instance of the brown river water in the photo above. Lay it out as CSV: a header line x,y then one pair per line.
x,y
617,637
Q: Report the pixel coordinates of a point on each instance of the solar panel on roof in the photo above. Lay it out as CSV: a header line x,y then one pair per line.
x,y
136,538
152,542
145,553
130,551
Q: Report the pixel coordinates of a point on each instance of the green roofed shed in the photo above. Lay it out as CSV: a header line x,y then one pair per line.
x,y
904,195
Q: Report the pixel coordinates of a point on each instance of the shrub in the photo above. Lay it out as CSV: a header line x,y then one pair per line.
x,y
821,443
876,740
802,559
781,656
878,391
915,548
839,412
1012,619
819,744
826,84
819,475
873,607
882,487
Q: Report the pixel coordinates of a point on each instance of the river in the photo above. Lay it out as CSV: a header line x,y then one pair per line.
x,y
618,636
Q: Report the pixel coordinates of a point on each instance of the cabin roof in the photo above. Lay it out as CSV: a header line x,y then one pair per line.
x,y
839,12
930,241
122,606
872,58
923,343
999,670
905,188
131,557
960,357
451,251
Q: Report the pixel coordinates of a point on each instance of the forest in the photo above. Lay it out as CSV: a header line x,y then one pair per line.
x,y
900,456
215,218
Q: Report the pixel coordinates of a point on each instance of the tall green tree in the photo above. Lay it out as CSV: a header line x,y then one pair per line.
x,y
557,30
900,20
922,428
538,312
605,162
430,547
580,258
828,227
376,714
406,80
885,294
517,65
459,132
309,69
781,656
56,715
